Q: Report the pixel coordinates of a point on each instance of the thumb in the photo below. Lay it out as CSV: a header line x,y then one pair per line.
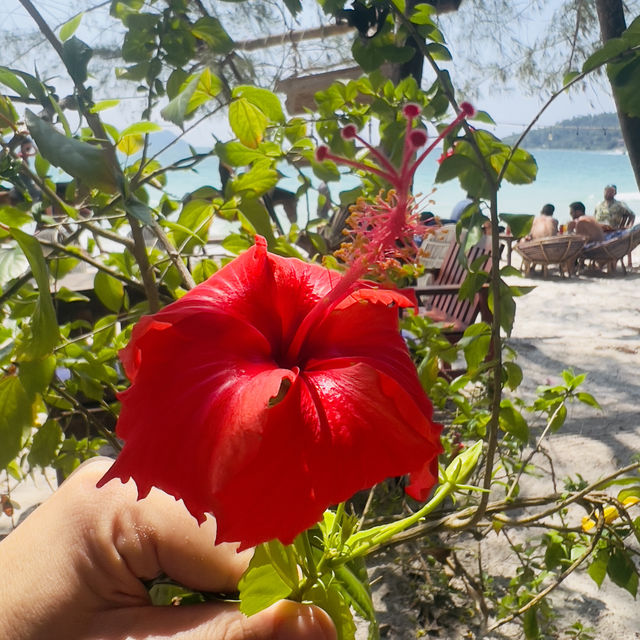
x,y
283,621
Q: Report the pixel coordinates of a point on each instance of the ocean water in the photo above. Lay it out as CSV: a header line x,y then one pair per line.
x,y
563,177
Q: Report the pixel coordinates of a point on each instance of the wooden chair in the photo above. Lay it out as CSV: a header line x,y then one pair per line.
x,y
628,220
608,253
561,250
440,301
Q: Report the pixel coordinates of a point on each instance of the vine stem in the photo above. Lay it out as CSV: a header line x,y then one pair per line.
x,y
557,582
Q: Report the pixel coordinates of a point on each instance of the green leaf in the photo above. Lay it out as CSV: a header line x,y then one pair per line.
x,y
598,568
140,128
262,584
76,55
44,324
569,76
46,442
247,121
476,341
69,27
259,218
12,264
139,210
260,179
332,600
238,155
88,163
109,291
587,398
9,79
622,571
512,422
235,243
559,418
103,105
519,223
197,90
530,624
35,375
211,31
193,225
513,375
204,270
15,417
8,114
14,217
438,51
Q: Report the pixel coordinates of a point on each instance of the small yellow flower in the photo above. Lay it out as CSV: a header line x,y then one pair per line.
x,y
610,514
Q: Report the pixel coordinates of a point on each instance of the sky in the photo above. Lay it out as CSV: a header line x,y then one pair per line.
x,y
511,110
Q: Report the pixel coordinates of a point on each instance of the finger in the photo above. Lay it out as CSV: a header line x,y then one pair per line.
x,y
283,621
157,534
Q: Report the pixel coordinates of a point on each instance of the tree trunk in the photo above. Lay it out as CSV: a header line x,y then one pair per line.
x,y
612,24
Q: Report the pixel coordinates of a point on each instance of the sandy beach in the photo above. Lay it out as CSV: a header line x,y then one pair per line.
x,y
592,324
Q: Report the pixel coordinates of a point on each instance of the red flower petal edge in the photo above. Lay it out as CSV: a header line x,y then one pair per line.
x,y
223,413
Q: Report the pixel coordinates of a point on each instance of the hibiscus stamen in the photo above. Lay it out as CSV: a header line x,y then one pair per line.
x,y
381,232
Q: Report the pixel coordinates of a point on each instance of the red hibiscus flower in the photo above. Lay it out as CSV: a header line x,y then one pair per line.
x,y
255,400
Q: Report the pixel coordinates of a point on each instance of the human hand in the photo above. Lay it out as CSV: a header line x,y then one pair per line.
x,y
72,571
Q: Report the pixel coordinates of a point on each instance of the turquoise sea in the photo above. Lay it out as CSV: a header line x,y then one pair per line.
x,y
563,176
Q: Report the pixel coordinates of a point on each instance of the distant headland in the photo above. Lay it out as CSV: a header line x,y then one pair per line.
x,y
586,133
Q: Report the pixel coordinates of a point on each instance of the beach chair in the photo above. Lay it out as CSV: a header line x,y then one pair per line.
x,y
561,250
433,251
440,302
607,254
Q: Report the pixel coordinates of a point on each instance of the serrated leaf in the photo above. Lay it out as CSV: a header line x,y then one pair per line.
x,y
265,100
247,121
261,584
70,27
197,90
15,416
260,179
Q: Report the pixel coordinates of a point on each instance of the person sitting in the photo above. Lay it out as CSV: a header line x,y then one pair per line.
x,y
544,225
611,213
584,225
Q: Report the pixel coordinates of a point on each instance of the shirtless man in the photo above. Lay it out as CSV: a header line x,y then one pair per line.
x,y
584,225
